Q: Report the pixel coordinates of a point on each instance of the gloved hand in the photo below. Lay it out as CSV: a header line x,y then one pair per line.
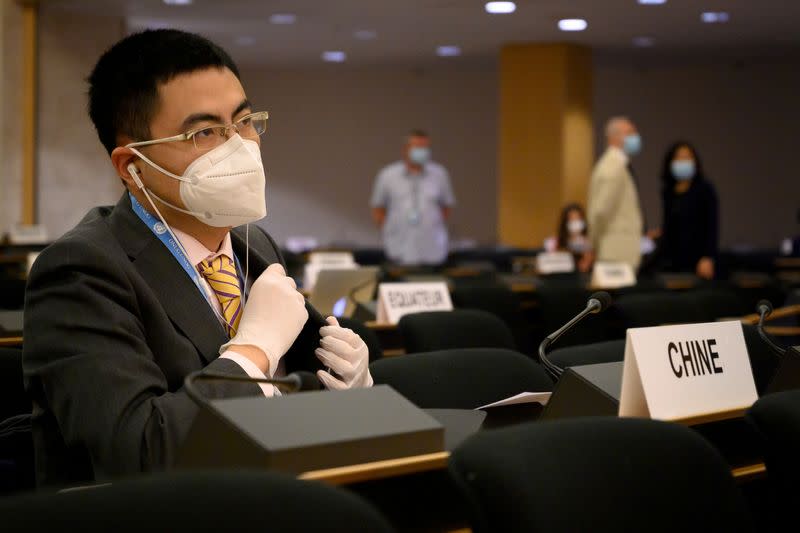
x,y
345,353
273,316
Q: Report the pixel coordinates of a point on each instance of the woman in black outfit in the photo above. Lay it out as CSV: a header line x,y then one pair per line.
x,y
689,242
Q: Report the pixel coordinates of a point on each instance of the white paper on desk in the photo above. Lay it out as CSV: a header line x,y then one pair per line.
x,y
522,397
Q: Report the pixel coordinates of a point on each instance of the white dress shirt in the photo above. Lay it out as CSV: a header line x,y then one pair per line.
x,y
197,253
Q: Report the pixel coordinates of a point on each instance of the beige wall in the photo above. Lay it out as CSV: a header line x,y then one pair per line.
x,y
743,118
73,168
10,121
332,129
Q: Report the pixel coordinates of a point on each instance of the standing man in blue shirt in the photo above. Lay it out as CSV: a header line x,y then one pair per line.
x,y
411,202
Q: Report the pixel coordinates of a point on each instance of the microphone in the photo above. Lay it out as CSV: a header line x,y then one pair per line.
x,y
300,381
598,302
764,308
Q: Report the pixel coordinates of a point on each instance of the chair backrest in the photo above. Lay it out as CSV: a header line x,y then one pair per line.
x,y
658,308
589,354
198,501
460,328
461,379
776,418
559,302
369,337
13,399
599,474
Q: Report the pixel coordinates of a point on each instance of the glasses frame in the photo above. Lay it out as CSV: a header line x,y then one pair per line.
x,y
189,135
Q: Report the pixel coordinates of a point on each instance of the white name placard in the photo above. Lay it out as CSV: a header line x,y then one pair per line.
x,y
398,299
608,275
555,263
686,371
331,258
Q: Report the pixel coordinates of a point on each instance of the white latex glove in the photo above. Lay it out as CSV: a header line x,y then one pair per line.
x,y
273,316
345,353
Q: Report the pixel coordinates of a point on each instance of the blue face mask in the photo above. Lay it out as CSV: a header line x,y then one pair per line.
x,y
420,155
683,170
632,144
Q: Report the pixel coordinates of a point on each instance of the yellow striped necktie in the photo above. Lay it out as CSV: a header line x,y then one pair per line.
x,y
220,273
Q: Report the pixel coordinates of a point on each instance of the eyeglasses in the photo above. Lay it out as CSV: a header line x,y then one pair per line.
x,y
249,126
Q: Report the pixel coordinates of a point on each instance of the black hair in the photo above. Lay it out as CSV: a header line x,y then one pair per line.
x,y
418,133
563,232
123,86
667,179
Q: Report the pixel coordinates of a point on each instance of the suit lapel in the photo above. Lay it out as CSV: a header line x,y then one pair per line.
x,y
182,301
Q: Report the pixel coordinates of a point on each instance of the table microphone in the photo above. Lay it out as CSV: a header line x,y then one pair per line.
x,y
598,302
764,308
299,381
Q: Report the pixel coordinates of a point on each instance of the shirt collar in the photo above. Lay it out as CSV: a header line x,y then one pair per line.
x,y
197,252
619,153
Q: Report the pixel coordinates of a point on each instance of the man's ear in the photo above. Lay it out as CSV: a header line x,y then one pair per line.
x,y
125,163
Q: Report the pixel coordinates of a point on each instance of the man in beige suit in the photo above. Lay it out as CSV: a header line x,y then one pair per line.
x,y
615,218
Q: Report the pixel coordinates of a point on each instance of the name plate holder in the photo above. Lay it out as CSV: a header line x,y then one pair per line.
x,y
309,431
691,373
608,275
396,300
555,263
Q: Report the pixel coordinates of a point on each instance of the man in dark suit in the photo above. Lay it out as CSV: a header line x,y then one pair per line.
x,y
124,306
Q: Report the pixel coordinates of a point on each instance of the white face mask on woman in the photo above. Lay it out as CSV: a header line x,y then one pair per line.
x,y
576,227
223,187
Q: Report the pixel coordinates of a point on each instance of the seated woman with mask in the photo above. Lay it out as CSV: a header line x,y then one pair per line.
x,y
689,242
573,237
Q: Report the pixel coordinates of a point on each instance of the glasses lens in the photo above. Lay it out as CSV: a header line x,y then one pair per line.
x,y
253,125
209,138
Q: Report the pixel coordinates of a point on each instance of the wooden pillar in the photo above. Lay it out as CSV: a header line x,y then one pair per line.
x,y
30,10
546,138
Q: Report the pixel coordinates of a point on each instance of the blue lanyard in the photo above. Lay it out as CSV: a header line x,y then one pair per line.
x,y
160,231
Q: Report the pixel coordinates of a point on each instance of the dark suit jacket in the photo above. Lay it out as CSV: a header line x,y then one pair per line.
x,y
112,327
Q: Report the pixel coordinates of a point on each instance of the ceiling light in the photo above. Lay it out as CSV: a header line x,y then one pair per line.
x,y
712,17
177,2
500,7
572,24
283,18
652,2
245,40
643,42
334,56
365,35
448,51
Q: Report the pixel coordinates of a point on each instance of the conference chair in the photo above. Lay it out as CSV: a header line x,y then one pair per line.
x,y
589,354
559,301
461,379
13,400
369,337
660,308
776,418
600,474
199,502
497,298
16,441
12,293
460,328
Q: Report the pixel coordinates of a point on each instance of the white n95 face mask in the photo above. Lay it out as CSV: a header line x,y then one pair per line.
x,y
223,187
